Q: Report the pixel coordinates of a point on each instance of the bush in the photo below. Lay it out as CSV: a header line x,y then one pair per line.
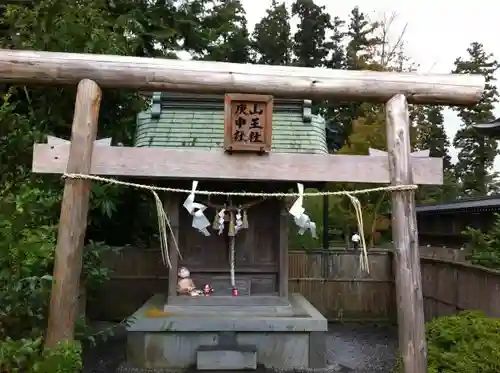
x,y
27,241
467,342
29,356
483,248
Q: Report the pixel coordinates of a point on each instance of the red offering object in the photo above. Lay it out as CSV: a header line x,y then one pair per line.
x,y
207,290
235,292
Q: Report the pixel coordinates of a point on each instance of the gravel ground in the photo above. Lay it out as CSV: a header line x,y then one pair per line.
x,y
352,348
361,348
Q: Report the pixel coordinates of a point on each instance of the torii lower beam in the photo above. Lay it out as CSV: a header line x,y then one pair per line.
x,y
216,164
160,74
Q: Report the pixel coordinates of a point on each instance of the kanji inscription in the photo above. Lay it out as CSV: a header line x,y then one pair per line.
x,y
248,123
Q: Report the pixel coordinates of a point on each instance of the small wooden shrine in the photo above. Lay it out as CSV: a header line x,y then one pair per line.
x,y
261,247
237,245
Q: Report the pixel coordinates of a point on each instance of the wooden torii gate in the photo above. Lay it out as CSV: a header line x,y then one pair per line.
x,y
399,167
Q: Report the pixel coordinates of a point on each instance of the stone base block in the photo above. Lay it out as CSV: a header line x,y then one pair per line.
x,y
226,358
172,342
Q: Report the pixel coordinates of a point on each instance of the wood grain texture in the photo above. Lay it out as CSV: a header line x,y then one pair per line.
x,y
73,219
425,153
52,140
34,67
410,306
205,165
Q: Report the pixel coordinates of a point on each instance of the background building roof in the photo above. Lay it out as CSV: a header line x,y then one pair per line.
x,y
486,203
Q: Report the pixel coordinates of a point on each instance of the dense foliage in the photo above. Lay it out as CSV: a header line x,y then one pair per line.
x,y
214,30
467,342
483,248
27,355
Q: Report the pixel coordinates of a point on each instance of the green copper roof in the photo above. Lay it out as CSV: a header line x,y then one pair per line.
x,y
196,121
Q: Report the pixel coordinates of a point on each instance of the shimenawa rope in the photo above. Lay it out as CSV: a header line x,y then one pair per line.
x,y
388,188
163,221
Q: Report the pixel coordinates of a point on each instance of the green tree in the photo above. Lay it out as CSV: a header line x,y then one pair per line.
x,y
271,39
151,26
184,27
227,37
80,26
430,134
368,132
336,133
355,127
362,40
337,59
358,54
84,26
29,204
477,153
310,46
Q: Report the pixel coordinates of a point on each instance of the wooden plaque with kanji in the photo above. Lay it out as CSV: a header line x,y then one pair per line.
x,y
248,123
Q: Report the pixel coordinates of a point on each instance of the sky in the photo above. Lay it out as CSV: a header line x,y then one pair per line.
x,y
436,34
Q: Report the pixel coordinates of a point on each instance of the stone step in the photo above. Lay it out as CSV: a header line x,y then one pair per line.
x,y
257,306
220,357
240,301
227,311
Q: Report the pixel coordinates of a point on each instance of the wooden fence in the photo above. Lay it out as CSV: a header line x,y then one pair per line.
x,y
445,253
331,280
450,287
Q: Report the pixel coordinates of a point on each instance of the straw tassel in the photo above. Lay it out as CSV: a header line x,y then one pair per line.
x,y
245,220
232,231
215,224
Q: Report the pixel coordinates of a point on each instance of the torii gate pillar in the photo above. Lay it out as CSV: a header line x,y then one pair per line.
x,y
73,219
408,276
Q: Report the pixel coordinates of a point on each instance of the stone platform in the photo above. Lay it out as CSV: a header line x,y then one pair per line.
x,y
271,306
285,333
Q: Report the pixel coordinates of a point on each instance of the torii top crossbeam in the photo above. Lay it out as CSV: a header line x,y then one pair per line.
x,y
33,67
